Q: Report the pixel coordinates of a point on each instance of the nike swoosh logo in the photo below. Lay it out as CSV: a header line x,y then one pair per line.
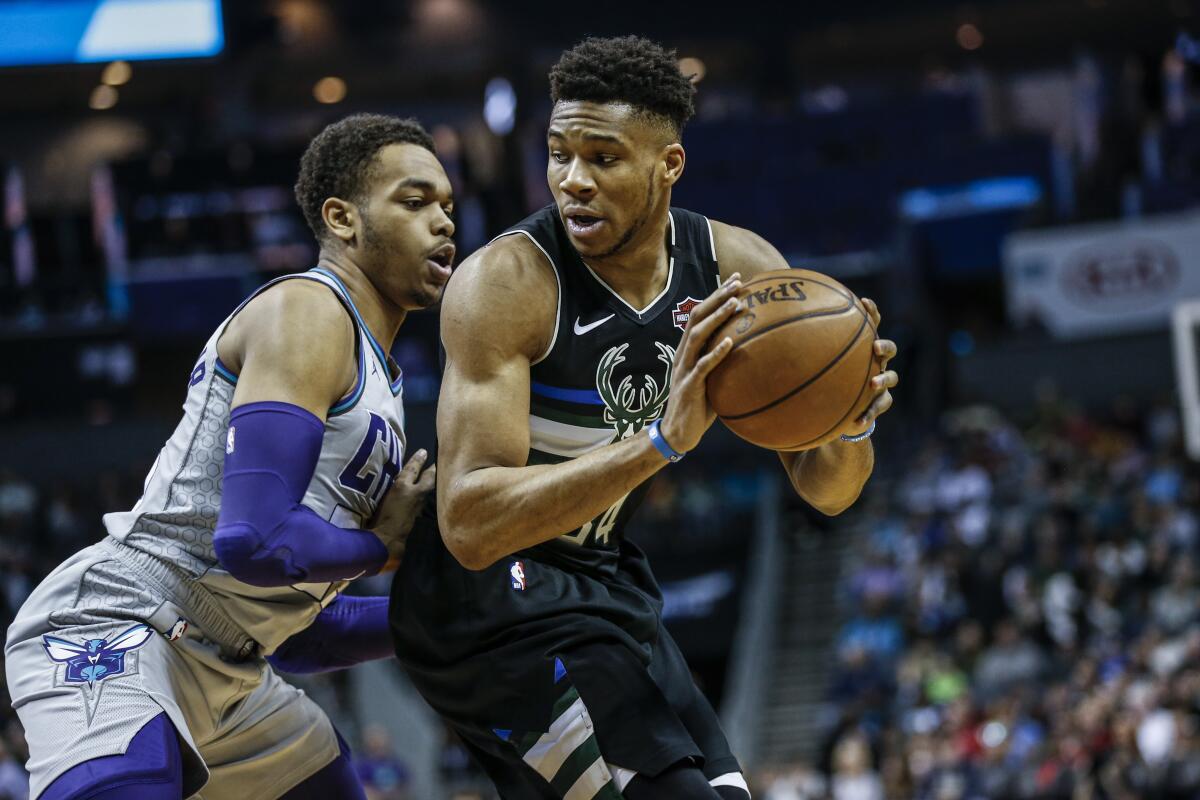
x,y
580,330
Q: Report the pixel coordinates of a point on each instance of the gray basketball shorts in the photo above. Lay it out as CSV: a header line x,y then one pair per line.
x,y
100,648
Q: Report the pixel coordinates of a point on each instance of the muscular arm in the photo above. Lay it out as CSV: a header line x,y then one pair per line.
x,y
497,317
830,477
293,348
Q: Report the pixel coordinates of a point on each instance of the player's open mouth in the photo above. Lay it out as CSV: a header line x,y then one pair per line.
x,y
583,225
441,261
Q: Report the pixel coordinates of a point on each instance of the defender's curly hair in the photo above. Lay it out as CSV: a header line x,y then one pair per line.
x,y
339,160
625,69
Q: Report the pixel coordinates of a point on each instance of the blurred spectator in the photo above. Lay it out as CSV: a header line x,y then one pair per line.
x,y
383,775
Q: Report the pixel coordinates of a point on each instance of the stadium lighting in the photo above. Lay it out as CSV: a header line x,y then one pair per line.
x,y
117,73
969,37
329,90
499,106
103,97
693,68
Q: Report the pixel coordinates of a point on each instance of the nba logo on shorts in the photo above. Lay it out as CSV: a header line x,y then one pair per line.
x,y
683,312
517,575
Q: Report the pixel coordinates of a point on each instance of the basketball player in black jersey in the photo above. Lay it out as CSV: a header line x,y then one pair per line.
x,y
575,372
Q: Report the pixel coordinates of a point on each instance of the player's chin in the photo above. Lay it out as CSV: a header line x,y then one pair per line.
x,y
427,295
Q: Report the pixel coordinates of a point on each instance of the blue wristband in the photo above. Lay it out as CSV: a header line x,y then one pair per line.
x,y
660,443
859,437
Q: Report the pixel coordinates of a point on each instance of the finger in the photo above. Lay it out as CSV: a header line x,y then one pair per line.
x,y
713,302
713,357
872,311
695,344
886,350
428,478
885,380
412,467
881,404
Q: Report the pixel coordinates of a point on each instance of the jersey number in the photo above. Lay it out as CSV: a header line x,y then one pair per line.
x,y
603,525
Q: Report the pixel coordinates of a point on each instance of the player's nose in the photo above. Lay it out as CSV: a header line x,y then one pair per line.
x,y
578,182
443,225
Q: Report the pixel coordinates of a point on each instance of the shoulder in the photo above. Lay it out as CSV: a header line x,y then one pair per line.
x,y
506,293
297,320
744,251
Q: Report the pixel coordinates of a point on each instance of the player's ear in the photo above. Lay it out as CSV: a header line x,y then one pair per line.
x,y
673,161
339,216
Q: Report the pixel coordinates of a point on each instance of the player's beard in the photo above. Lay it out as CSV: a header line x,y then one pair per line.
x,y
638,223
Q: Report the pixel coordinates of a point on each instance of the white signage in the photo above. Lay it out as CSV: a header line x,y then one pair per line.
x,y
1089,280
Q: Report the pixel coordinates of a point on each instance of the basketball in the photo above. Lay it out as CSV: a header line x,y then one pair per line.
x,y
801,363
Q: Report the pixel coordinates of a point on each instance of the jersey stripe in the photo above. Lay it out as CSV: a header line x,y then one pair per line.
x,y
566,440
585,396
566,417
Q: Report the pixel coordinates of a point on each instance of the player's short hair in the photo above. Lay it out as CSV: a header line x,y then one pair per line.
x,y
339,159
626,69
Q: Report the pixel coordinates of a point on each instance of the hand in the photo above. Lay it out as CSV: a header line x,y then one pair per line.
x,y
689,413
885,351
395,516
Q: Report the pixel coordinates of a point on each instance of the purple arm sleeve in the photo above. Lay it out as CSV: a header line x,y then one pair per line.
x,y
264,536
348,631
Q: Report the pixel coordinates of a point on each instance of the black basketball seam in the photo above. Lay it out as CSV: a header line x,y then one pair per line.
x,y
810,315
808,382
870,364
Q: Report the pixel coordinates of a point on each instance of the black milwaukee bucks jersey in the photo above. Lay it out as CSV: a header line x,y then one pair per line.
x,y
607,372
482,646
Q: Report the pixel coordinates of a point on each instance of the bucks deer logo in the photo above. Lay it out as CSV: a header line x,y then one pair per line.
x,y
628,409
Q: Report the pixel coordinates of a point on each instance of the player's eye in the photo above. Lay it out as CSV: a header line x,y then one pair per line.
x,y
560,158
605,159
448,209
414,203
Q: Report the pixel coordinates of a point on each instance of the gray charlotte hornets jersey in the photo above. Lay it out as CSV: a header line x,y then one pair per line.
x,y
361,454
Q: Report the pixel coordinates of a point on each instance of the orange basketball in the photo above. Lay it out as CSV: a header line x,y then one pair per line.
x,y
802,360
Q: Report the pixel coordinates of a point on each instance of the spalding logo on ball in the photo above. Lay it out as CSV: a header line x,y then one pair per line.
x,y
802,360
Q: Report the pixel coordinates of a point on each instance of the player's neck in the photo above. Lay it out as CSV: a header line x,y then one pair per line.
x,y
641,269
382,317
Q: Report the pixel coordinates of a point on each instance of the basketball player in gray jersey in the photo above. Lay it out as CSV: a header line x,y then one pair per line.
x,y
576,362
143,668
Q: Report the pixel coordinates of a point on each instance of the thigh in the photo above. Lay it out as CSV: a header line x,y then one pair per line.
x,y
151,768
337,779
694,711
267,743
84,691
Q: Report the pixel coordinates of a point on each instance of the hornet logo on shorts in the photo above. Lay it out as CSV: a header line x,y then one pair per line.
x,y
95,659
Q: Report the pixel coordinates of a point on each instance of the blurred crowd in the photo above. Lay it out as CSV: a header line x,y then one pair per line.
x,y
1024,621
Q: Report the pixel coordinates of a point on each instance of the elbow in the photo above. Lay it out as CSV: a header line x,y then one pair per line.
x,y
467,546
832,509
465,538
238,551
829,505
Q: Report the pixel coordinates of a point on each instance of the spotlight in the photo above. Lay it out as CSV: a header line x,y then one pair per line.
x,y
117,73
969,37
330,90
102,98
693,68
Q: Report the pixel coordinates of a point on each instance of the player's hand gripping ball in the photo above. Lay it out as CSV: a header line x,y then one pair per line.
x,y
804,366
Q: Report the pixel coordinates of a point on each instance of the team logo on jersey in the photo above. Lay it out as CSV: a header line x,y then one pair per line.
x,y
683,312
516,574
627,409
